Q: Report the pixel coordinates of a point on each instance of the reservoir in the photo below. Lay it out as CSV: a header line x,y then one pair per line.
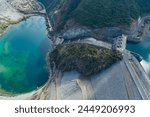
x,y
143,49
23,51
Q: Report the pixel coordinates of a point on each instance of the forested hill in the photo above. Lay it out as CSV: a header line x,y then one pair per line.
x,y
50,4
101,13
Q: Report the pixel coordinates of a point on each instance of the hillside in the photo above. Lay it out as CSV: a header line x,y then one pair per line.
x,y
9,11
91,60
50,4
100,13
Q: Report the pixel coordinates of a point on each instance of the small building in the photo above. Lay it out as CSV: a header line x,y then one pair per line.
x,y
119,43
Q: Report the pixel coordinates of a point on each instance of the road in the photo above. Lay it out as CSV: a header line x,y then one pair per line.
x,y
86,88
136,76
135,32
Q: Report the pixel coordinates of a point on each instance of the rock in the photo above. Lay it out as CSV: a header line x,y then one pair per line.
x,y
75,32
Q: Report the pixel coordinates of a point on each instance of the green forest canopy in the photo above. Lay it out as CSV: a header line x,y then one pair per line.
x,y
102,13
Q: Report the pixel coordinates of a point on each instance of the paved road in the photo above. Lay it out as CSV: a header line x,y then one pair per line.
x,y
136,78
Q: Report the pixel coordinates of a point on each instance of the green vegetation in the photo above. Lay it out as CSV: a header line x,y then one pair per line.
x,y
50,4
100,13
66,13
144,5
86,59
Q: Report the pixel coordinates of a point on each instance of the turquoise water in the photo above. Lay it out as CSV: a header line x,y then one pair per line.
x,y
23,50
143,49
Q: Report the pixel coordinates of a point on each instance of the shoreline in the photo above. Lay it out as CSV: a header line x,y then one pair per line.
x,y
6,94
11,24
142,30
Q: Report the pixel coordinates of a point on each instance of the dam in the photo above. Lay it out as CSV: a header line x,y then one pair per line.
x,y
143,49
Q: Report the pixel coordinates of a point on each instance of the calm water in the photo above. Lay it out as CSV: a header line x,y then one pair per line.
x,y
143,49
22,56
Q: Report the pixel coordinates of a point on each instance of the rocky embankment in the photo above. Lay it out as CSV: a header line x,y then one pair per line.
x,y
68,28
135,33
10,11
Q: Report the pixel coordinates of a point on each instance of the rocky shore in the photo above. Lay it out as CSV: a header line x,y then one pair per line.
x,y
10,12
136,33
70,29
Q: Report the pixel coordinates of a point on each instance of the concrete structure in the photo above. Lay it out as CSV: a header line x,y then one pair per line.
x,y
125,80
96,42
120,43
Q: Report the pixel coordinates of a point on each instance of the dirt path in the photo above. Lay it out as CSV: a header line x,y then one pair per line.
x,y
86,88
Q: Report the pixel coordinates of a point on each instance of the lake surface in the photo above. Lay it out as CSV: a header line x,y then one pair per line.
x,y
143,49
23,51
